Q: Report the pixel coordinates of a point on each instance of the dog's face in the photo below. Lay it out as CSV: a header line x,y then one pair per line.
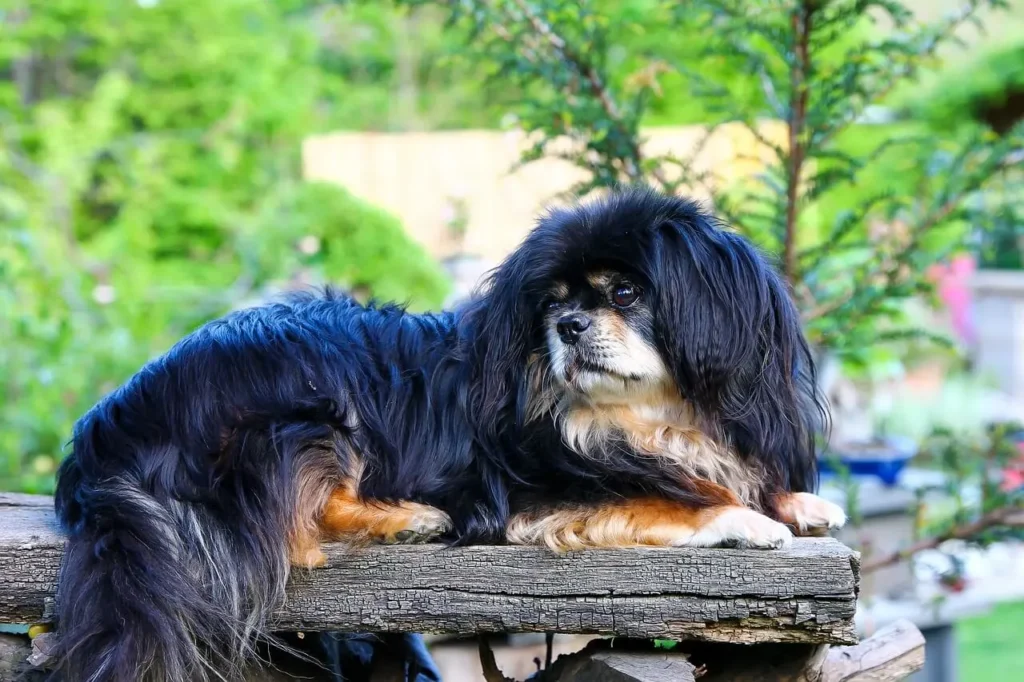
x,y
599,331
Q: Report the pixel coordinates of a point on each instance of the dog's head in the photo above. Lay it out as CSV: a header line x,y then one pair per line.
x,y
641,295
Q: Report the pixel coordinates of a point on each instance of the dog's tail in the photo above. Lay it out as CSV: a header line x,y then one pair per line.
x,y
174,560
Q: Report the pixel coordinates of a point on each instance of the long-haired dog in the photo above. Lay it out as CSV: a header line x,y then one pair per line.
x,y
631,375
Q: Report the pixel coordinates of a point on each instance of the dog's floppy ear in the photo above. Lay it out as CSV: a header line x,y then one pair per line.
x,y
497,328
732,337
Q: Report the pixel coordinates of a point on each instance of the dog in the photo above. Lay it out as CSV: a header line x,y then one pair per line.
x,y
632,374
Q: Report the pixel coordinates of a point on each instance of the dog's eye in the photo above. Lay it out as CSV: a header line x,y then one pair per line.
x,y
625,295
551,304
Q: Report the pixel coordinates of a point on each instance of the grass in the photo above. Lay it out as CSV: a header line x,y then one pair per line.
x,y
991,647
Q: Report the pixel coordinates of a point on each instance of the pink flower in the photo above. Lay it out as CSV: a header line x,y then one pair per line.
x,y
953,288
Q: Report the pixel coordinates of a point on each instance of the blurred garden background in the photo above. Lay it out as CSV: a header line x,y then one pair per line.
x,y
163,161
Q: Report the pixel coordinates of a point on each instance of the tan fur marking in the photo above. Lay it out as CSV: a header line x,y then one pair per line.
x,y
316,477
601,280
662,425
650,521
628,524
328,507
559,290
349,517
615,327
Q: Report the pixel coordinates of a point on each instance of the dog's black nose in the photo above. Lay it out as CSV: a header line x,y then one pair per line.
x,y
572,326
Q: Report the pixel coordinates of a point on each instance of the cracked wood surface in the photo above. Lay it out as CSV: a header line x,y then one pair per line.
x,y
803,594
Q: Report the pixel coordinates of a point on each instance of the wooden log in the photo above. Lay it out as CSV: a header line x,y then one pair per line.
x,y
803,594
891,654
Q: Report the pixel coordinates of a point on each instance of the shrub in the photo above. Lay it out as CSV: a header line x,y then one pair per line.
x,y
987,90
328,235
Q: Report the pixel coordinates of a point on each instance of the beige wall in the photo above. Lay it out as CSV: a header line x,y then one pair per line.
x,y
416,174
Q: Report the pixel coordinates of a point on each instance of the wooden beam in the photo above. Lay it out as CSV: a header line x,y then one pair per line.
x,y
806,594
891,654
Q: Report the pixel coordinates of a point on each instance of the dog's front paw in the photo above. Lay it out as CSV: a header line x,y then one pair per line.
x,y
742,527
423,524
813,515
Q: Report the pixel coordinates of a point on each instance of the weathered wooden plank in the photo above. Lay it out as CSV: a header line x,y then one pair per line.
x,y
803,594
30,551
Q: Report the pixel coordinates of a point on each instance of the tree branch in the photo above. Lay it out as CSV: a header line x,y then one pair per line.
x,y
633,165
802,23
492,673
1009,516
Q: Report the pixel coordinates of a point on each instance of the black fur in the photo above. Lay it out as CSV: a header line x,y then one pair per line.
x,y
179,492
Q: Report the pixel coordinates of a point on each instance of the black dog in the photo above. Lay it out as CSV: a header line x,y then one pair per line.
x,y
632,374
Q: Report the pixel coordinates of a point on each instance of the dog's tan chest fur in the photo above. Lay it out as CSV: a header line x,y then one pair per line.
x,y
661,425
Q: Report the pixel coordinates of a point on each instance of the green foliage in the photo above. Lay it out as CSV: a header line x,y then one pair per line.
x,y
972,486
985,92
148,182
391,69
328,235
972,91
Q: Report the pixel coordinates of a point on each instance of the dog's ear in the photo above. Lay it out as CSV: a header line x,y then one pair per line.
x,y
732,337
497,329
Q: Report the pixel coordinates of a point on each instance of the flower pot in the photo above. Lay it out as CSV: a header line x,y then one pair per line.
x,y
883,458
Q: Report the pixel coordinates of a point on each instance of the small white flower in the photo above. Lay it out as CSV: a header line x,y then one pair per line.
x,y
309,245
104,294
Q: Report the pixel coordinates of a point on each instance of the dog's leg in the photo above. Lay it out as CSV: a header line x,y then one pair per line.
x,y
809,514
650,521
304,550
347,516
318,473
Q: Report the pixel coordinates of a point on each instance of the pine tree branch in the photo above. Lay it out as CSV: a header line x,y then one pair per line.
x,y
761,139
899,74
632,166
893,272
1011,516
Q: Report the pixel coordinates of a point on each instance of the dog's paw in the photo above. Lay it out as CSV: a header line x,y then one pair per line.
x,y
741,527
424,523
311,557
813,515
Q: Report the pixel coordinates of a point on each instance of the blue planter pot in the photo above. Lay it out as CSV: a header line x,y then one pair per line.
x,y
884,459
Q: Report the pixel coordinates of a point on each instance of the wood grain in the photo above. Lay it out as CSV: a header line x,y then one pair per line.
x,y
803,594
893,653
